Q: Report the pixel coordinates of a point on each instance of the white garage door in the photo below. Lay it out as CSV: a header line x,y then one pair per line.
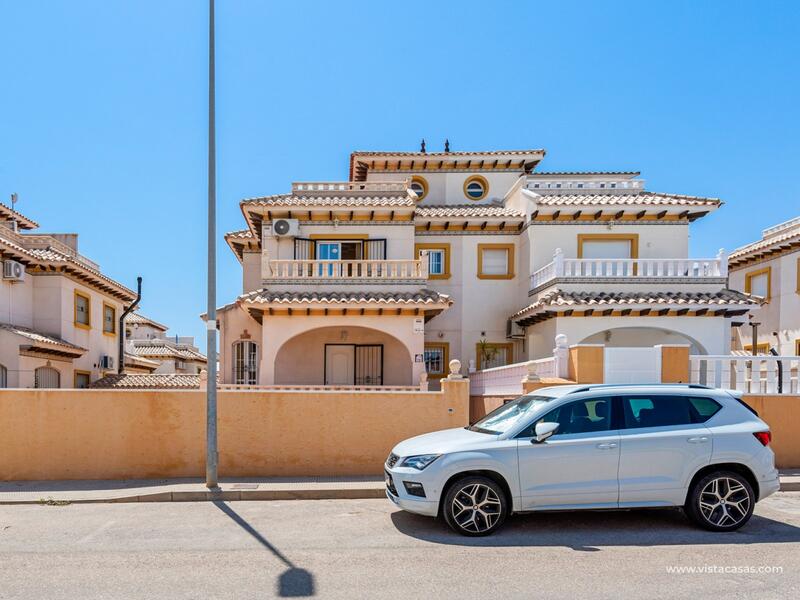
x,y
632,365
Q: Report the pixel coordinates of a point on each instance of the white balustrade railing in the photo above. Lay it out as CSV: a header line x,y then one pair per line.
x,y
357,270
748,374
349,186
630,268
507,380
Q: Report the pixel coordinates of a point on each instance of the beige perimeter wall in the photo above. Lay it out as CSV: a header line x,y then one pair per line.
x,y
100,434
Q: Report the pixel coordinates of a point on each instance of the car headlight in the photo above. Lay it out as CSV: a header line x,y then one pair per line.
x,y
420,461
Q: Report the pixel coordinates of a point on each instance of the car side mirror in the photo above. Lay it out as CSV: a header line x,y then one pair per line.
x,y
544,431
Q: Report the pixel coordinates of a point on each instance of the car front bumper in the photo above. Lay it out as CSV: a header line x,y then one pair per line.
x,y
397,493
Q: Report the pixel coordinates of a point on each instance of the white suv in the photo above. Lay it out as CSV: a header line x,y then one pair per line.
x,y
592,447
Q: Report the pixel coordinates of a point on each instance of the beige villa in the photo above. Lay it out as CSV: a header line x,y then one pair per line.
x,y
770,268
59,315
148,349
420,257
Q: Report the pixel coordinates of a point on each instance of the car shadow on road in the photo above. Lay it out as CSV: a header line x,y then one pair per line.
x,y
591,530
294,582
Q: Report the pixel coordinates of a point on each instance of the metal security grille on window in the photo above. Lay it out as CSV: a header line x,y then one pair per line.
x,y
108,320
82,310
81,380
434,360
245,363
495,262
436,262
758,285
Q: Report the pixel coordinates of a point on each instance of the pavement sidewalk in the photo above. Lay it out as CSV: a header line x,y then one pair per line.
x,y
194,490
189,490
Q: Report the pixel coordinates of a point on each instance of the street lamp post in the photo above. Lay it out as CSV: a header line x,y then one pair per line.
x,y
212,455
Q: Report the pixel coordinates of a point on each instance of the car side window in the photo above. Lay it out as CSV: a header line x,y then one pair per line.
x,y
657,411
581,416
702,409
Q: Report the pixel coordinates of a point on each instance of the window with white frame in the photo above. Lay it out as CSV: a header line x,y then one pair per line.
x,y
495,261
436,261
245,363
758,283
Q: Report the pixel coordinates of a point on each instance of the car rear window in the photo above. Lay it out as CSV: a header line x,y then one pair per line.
x,y
656,410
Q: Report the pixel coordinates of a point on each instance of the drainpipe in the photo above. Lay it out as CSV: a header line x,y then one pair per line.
x,y
121,354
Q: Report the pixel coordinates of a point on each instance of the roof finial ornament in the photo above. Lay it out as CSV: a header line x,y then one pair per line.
x,y
447,145
422,146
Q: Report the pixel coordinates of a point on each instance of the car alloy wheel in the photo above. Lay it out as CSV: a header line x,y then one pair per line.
x,y
475,506
724,502
721,501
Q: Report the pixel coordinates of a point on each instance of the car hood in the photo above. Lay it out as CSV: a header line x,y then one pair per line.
x,y
441,442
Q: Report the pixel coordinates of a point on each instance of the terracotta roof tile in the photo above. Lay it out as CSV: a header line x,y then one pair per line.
x,y
623,199
41,338
425,297
358,153
776,243
242,234
344,200
136,318
561,299
433,211
148,381
163,349
23,222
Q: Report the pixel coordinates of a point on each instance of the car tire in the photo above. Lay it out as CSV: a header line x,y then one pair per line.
x,y
720,501
475,506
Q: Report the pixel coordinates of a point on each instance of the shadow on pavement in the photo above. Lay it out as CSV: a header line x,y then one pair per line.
x,y
590,531
294,582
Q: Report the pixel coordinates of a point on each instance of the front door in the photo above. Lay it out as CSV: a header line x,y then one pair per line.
x,y
340,364
576,467
662,446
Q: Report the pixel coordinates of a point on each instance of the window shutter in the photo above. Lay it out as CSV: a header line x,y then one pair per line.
x,y
304,249
375,249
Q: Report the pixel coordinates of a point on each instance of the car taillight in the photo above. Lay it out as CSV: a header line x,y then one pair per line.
x,y
765,437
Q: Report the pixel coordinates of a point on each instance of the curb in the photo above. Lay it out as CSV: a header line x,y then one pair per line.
x,y
221,495
790,486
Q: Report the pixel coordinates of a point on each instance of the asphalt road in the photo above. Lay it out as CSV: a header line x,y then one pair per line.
x,y
367,549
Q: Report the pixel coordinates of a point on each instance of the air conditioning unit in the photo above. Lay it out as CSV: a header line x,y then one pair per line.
x,y
285,227
13,270
107,362
514,331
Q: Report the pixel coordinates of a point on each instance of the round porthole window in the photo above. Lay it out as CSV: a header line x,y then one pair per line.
x,y
476,188
419,186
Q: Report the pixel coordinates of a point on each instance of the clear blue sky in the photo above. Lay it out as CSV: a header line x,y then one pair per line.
x,y
103,110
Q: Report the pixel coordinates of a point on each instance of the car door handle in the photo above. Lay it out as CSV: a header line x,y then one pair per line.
x,y
607,446
700,439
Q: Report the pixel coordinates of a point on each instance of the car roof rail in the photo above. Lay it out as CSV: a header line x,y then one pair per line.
x,y
594,386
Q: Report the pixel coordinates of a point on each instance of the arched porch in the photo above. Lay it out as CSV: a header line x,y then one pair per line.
x,y
343,355
341,350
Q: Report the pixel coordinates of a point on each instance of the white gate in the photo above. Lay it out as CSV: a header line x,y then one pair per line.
x,y
632,365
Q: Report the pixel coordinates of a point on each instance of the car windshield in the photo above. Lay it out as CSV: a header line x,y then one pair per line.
x,y
505,417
